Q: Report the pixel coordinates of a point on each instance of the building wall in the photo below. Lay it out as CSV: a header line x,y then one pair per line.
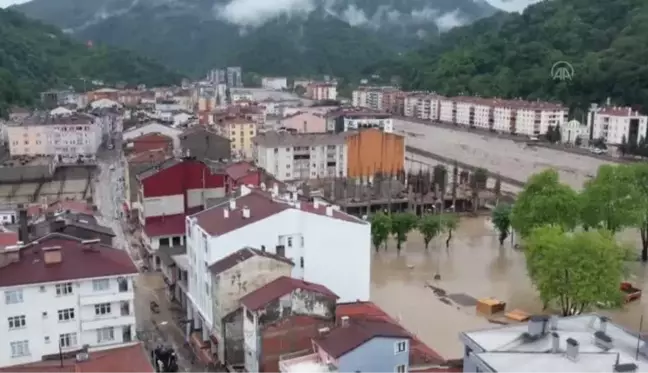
x,y
307,239
283,165
376,355
173,133
231,285
305,123
64,140
371,151
40,307
240,135
354,123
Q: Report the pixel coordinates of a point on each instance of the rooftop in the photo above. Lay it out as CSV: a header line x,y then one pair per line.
x,y
221,219
619,112
169,225
274,139
352,333
280,287
239,170
519,348
149,156
242,255
45,118
8,239
78,260
122,359
81,207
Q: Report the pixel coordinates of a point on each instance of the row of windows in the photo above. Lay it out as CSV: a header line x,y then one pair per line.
x,y
16,296
66,341
69,314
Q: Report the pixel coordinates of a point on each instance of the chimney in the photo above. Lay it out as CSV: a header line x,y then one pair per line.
x,y
538,325
232,204
603,340
625,368
329,210
555,343
52,255
603,321
10,254
572,349
246,212
23,231
344,321
226,213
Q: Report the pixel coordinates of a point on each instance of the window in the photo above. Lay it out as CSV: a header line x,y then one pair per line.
x,y
123,284
101,285
102,309
13,296
207,288
42,289
400,347
301,262
64,289
401,369
105,335
289,241
66,314
125,308
47,340
19,348
301,241
68,340
16,322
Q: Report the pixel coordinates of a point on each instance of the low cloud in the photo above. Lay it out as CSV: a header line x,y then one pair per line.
x,y
450,20
254,13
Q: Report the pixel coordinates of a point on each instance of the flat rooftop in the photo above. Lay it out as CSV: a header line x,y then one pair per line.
x,y
510,349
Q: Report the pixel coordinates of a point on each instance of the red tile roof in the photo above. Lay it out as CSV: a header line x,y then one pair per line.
x,y
8,238
420,353
121,359
73,205
79,261
280,287
149,156
261,206
168,225
619,111
346,338
242,255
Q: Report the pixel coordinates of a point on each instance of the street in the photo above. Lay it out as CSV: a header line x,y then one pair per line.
x,y
152,328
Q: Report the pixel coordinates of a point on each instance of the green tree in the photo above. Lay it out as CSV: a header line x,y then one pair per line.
x,y
481,177
574,270
430,226
401,224
380,229
640,182
545,201
501,217
609,200
623,147
450,222
578,141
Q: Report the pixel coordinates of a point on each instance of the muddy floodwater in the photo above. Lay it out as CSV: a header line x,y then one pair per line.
x,y
474,267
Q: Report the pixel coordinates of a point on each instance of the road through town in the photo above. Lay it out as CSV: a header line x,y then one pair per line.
x,y
499,155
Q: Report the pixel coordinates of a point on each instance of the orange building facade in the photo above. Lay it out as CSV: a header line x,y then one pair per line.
x,y
371,151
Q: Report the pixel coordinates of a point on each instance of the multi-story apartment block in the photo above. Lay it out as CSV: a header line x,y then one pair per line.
x,y
275,83
61,294
65,136
321,91
555,344
241,96
376,98
419,105
349,120
234,76
301,156
613,124
240,131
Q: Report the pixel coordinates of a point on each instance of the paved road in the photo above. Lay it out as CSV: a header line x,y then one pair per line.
x,y
504,156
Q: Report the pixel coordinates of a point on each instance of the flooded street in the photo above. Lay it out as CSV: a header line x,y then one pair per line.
x,y
474,266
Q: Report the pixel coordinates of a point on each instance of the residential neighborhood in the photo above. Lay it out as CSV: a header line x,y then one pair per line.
x,y
215,227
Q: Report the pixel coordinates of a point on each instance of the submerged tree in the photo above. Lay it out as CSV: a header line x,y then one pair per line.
x,y
501,218
430,226
574,270
450,222
380,229
401,224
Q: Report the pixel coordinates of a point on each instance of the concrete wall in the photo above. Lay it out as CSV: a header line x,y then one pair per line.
x,y
375,355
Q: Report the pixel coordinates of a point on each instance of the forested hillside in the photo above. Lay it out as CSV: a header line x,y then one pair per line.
x,y
36,57
511,55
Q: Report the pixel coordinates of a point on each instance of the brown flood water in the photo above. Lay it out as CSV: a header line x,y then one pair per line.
x,y
476,266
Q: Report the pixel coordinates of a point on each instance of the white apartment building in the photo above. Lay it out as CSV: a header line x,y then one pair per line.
x,y
322,91
237,96
321,240
359,98
614,123
447,110
274,83
421,106
572,130
301,156
60,294
66,136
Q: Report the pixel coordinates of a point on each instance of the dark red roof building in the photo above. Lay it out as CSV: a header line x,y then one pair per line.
x,y
287,314
148,142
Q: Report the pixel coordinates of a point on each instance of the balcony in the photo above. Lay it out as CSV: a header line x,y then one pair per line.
x,y
298,362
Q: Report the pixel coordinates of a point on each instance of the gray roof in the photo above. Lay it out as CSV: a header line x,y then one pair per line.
x,y
274,139
167,252
512,348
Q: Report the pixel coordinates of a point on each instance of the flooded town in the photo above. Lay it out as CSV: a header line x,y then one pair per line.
x,y
200,228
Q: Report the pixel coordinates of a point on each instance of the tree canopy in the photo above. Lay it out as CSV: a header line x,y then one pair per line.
x,y
35,57
575,270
